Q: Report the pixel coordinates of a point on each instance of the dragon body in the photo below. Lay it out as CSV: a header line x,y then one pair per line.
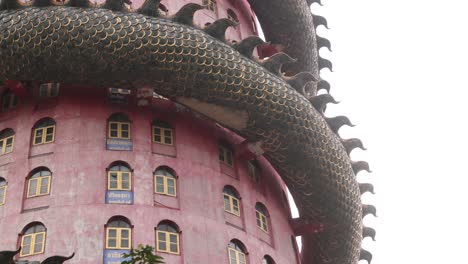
x,y
196,67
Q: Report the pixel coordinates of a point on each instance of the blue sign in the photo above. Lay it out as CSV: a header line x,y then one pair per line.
x,y
119,144
119,197
114,256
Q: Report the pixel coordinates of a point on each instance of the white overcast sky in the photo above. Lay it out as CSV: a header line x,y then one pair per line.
x,y
400,72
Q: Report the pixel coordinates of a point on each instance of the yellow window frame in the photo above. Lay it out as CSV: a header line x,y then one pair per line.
x,y
165,185
168,242
119,181
262,219
4,144
44,135
232,209
32,246
238,256
163,131
3,190
119,129
118,238
38,186
226,153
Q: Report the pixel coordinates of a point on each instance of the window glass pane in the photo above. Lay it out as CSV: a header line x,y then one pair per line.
x,y
227,204
112,233
173,248
171,190
38,243
50,130
112,243
125,185
125,127
125,176
125,233
229,157
39,132
162,246
32,187
49,138
170,182
113,126
26,241
160,188
125,134
161,236
113,133
173,238
241,258
125,243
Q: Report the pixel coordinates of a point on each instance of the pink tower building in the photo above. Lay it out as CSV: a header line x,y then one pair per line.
x,y
99,170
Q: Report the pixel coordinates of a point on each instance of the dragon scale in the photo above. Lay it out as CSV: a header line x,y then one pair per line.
x,y
102,47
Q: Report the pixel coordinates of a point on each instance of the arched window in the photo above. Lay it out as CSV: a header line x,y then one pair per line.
x,y
3,190
237,252
162,133
210,5
267,260
225,155
44,131
165,181
9,101
39,182
7,137
232,15
119,177
118,233
167,237
119,126
261,214
231,200
33,240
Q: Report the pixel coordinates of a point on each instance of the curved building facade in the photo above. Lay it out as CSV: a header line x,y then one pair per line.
x,y
99,170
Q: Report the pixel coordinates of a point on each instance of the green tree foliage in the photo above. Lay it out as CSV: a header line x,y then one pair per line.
x,y
142,255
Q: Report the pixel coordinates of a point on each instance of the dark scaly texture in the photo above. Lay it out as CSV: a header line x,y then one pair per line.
x,y
102,47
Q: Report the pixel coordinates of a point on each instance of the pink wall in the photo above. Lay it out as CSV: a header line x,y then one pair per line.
x,y
75,212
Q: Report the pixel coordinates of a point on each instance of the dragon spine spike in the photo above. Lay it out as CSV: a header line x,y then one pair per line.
x,y
300,80
186,13
320,20
247,46
368,209
322,84
116,5
366,187
324,63
351,144
323,42
218,28
320,102
150,8
365,255
360,166
337,122
368,232
275,62
57,259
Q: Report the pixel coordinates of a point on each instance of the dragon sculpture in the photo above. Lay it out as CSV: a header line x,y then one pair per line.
x,y
274,107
